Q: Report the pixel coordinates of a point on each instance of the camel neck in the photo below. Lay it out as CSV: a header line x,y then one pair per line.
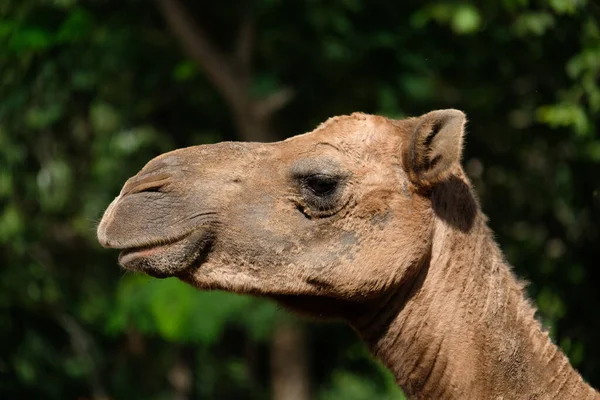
x,y
463,328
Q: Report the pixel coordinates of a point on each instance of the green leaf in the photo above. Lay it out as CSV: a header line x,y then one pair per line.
x,y
466,19
185,70
6,28
39,117
418,86
171,307
11,223
533,23
593,150
77,27
587,60
104,118
565,114
54,181
64,3
565,6
31,39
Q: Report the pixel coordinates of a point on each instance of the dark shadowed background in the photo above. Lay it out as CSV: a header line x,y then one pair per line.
x,y
90,90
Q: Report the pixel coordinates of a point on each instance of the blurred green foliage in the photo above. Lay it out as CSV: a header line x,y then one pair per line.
x,y
91,90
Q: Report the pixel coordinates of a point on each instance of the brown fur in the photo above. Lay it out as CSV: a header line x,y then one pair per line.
x,y
365,219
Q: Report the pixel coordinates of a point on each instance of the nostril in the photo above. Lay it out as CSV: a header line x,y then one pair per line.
x,y
152,183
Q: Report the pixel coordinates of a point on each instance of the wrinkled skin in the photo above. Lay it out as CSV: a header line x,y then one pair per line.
x,y
252,218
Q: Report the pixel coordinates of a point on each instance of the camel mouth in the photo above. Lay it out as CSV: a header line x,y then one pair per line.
x,y
167,258
130,255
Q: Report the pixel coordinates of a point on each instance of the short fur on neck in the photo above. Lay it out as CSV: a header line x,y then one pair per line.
x,y
463,328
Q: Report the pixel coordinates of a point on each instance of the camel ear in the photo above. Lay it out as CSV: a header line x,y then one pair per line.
x,y
434,146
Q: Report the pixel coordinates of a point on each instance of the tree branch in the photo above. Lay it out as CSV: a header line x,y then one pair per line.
x,y
289,364
197,46
244,46
231,76
83,346
266,107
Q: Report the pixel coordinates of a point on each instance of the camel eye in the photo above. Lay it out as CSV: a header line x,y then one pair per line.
x,y
321,185
321,194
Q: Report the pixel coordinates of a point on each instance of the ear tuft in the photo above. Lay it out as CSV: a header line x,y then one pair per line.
x,y
434,146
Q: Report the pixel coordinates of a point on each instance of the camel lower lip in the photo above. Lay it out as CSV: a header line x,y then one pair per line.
x,y
131,254
170,258
149,249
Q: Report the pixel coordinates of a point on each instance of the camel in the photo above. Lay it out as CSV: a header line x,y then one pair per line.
x,y
365,219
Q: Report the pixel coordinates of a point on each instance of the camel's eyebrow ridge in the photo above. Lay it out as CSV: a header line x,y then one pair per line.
x,y
315,165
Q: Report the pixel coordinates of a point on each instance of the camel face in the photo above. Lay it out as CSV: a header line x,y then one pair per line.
x,y
341,212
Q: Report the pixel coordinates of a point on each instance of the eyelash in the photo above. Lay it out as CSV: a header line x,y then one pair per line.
x,y
320,185
320,204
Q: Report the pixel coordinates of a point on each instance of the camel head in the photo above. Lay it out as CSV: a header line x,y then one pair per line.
x,y
341,214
